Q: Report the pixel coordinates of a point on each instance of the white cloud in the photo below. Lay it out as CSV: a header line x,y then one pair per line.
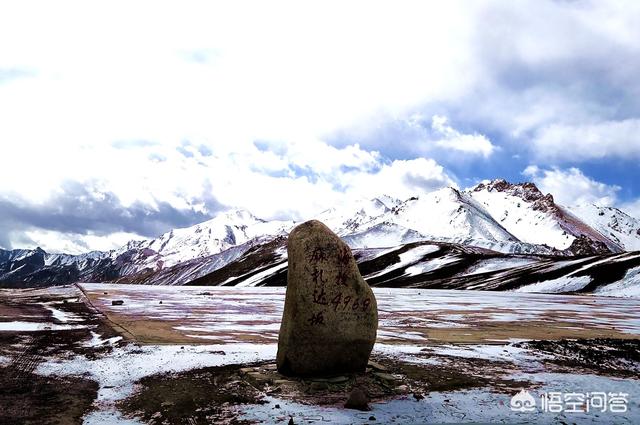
x,y
453,139
107,95
73,243
589,141
110,93
571,187
632,208
272,76
400,178
544,89
298,182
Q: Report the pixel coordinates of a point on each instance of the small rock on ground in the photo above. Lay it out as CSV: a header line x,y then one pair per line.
x,y
357,400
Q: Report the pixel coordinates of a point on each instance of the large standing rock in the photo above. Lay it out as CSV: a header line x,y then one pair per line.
x,y
330,314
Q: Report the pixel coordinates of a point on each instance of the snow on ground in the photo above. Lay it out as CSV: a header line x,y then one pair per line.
x,y
497,352
212,314
629,286
102,417
496,264
19,326
410,256
561,284
117,372
59,315
431,265
400,307
581,384
97,340
467,406
407,319
428,354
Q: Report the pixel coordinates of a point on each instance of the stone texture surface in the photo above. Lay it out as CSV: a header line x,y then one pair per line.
x,y
330,314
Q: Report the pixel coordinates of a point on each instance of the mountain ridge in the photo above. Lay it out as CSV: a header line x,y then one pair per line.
x,y
495,215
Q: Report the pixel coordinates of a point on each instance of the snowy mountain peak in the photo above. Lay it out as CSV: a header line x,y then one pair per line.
x,y
527,191
445,194
349,218
236,217
226,230
388,201
377,203
445,214
534,217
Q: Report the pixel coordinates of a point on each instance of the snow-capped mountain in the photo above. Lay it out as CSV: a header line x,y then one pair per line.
x,y
37,266
504,217
497,216
616,225
347,219
446,215
226,230
534,217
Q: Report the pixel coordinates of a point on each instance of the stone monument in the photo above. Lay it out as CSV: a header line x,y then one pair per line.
x,y
330,314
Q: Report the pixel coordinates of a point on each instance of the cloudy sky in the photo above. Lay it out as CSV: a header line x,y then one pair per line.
x,y
122,120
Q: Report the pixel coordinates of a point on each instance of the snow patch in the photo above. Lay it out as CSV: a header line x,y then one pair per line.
x,y
629,286
61,316
17,326
493,265
430,265
408,257
117,372
97,341
562,284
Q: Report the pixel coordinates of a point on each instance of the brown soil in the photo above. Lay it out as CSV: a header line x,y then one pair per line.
x,y
478,328
459,373
26,398
601,356
200,396
148,331
490,332
52,343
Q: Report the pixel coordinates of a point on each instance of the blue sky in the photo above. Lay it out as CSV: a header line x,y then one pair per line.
x,y
122,121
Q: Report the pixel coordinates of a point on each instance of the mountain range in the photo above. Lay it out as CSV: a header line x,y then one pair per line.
x,y
510,235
